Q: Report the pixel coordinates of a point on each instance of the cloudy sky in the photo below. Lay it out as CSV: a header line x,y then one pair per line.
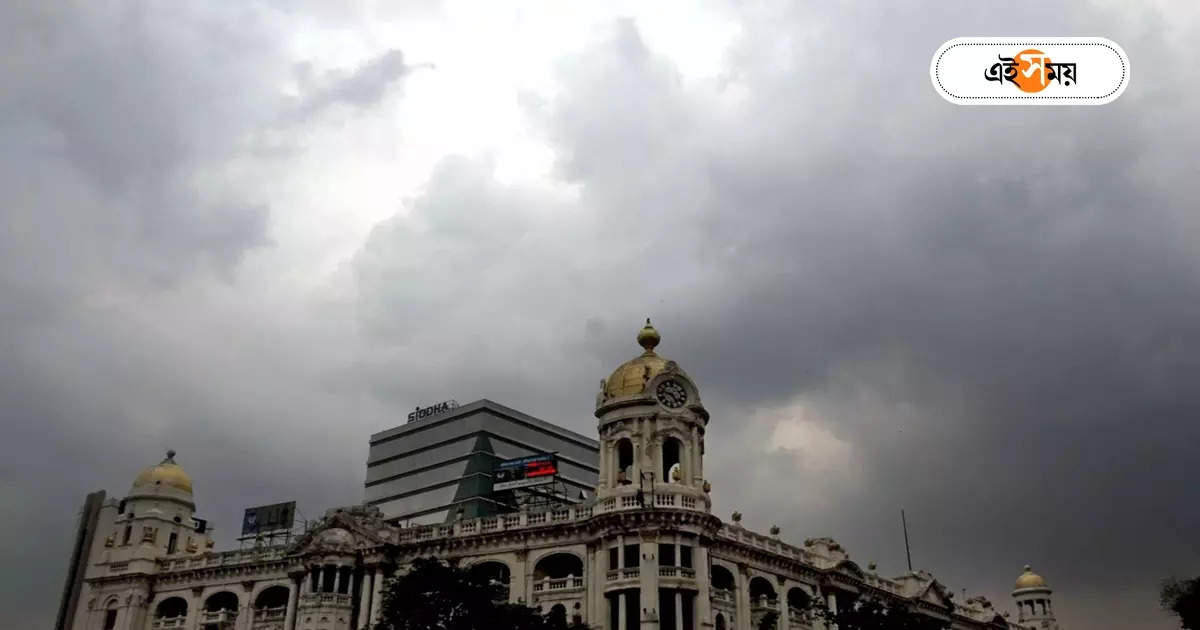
x,y
257,232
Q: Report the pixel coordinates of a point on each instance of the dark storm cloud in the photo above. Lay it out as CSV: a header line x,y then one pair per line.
x,y
984,315
994,308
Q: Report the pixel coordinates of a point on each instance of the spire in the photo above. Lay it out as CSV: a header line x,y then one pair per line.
x,y
648,337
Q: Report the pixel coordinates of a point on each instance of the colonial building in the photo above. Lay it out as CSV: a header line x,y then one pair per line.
x,y
644,551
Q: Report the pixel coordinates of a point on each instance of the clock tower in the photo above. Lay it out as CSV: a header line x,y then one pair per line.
x,y
651,425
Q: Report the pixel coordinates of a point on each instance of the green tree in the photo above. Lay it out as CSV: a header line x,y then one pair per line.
x,y
873,614
1182,598
434,596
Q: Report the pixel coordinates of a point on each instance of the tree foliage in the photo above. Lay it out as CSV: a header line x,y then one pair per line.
x,y
434,596
1182,598
873,614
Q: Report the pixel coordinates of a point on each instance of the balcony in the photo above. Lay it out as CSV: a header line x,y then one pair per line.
x,y
217,617
267,615
562,584
169,622
724,596
326,600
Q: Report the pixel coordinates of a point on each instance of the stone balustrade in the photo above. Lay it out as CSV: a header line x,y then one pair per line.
x,y
561,584
169,622
523,520
270,614
724,596
217,616
310,600
221,559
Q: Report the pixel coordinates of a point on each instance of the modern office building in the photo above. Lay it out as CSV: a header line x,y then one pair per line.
x,y
432,468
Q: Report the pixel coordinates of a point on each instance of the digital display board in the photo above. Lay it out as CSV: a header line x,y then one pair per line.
x,y
534,470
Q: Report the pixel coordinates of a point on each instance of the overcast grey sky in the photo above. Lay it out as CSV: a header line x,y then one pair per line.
x,y
257,232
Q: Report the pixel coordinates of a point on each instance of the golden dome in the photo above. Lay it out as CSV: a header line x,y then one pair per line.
x,y
631,376
164,473
1029,579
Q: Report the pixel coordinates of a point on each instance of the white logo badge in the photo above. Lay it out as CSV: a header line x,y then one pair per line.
x,y
1030,71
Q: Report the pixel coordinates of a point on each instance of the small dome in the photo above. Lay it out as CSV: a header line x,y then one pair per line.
x,y
1029,579
631,377
165,473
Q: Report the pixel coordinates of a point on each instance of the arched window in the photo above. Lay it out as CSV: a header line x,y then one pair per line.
x,y
672,455
557,616
496,574
110,615
272,597
557,566
760,591
720,623
798,599
722,578
171,607
221,601
625,461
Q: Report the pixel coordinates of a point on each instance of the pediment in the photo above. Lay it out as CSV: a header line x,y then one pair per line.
x,y
345,530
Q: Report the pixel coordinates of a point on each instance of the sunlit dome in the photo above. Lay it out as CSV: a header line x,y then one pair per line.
x,y
165,473
631,376
1029,579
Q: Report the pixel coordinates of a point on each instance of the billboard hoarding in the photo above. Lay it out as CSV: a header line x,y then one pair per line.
x,y
268,518
525,472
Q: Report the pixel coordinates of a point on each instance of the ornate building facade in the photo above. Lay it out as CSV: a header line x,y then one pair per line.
x,y
645,551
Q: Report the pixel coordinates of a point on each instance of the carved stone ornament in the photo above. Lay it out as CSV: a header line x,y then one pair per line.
x,y
149,534
774,530
737,517
111,540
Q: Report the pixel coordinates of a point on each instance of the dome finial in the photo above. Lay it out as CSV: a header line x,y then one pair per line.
x,y
648,337
170,456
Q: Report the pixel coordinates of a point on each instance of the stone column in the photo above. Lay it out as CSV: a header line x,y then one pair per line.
x,y
782,604
337,579
679,610
622,610
377,580
289,619
364,600
320,579
648,583
832,603
703,612
742,599
521,578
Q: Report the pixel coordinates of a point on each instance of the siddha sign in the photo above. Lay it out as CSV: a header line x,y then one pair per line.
x,y
432,410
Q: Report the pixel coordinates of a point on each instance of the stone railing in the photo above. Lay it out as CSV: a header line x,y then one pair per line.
x,y
270,614
668,571
561,584
325,599
724,596
768,543
221,559
217,616
169,622
523,520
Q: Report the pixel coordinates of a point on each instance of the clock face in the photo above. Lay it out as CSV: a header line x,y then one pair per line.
x,y
671,394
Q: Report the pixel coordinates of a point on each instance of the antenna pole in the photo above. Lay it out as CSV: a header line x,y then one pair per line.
x,y
907,553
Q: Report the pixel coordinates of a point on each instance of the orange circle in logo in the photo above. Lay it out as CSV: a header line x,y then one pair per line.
x,y
1033,70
